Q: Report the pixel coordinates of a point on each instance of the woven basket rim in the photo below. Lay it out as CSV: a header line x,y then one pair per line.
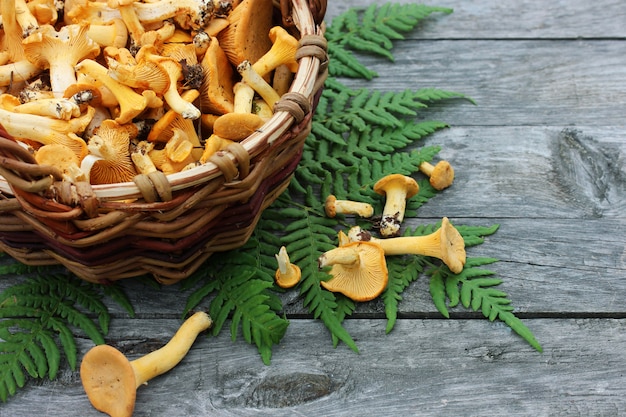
x,y
304,83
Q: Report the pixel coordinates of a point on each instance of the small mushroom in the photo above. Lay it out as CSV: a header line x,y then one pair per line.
x,y
333,206
111,380
440,175
58,108
397,189
446,243
358,269
288,274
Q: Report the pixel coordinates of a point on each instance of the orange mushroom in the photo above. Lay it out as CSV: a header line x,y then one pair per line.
x,y
358,269
287,274
440,175
396,188
110,380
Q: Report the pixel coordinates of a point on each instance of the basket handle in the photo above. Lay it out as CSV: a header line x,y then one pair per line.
x,y
317,7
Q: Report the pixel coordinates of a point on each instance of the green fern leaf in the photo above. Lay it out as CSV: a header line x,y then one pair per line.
x,y
402,272
474,289
371,30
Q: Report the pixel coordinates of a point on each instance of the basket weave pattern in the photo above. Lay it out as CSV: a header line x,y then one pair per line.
x,y
164,226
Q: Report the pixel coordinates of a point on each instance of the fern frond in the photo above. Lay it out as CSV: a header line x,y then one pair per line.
x,y
371,30
474,288
36,316
402,272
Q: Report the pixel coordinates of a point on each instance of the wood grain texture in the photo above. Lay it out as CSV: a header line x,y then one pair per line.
x,y
424,367
542,155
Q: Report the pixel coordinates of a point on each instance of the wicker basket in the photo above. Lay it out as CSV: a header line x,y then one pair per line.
x,y
166,226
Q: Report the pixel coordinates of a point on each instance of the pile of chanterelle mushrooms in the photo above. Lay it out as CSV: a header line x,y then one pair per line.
x,y
108,89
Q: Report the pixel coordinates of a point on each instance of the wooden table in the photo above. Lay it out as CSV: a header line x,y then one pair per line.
x,y
542,155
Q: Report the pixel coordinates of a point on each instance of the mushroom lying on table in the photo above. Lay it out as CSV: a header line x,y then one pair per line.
x,y
396,188
446,243
358,269
111,380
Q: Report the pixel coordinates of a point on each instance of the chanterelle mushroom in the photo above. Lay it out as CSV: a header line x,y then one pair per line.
x,y
60,52
287,274
333,206
111,380
446,243
359,270
440,175
397,188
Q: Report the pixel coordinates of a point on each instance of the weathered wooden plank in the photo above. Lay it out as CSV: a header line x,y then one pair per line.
x,y
434,367
493,19
526,82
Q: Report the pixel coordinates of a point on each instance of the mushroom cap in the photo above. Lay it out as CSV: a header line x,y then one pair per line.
x,y
247,35
362,280
290,279
452,247
329,206
109,381
442,175
395,180
237,126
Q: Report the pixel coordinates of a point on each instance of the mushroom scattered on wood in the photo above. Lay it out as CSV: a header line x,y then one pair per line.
x,y
287,274
111,380
397,189
446,243
440,175
333,206
358,269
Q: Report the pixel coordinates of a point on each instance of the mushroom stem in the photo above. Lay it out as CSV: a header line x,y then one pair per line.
x,y
162,360
342,255
446,243
335,206
254,80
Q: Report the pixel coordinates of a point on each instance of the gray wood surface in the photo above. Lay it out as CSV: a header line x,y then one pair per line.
x,y
542,155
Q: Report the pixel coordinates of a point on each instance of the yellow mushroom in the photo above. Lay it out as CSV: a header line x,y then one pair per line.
x,y
446,243
46,130
396,188
17,68
64,159
217,88
333,206
213,144
176,156
358,269
175,73
60,51
130,18
247,35
113,33
131,104
109,155
287,275
440,175
282,52
254,80
141,159
111,380
58,108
